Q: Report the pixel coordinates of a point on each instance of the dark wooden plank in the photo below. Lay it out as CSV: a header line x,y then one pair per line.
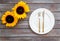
x,y
15,39
26,32
31,1
52,7
14,32
46,39
29,39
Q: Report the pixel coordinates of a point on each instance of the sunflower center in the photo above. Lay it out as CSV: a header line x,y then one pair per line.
x,y
20,10
9,19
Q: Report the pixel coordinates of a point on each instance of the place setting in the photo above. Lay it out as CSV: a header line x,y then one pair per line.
x,y
41,21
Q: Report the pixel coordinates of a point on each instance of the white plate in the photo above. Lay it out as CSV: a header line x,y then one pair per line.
x,y
49,21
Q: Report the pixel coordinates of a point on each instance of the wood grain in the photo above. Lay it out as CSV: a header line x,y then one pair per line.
x,y
26,32
29,39
52,7
31,1
22,31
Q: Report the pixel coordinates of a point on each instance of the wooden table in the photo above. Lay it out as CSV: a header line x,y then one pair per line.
x,y
22,31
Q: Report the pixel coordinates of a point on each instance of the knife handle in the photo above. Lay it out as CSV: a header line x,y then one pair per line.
x,y
43,26
43,22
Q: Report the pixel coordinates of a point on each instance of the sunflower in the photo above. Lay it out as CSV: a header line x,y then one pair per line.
x,y
9,19
20,9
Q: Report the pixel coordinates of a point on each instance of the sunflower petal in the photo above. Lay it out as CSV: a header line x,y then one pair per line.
x,y
26,7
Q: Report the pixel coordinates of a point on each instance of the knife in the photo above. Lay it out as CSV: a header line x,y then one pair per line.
x,y
43,22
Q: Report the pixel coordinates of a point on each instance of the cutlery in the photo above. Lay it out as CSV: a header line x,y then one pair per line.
x,y
43,22
39,22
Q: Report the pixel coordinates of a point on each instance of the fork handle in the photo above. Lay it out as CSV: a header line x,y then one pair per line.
x,y
39,25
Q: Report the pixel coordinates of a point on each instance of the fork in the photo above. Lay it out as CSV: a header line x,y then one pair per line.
x,y
38,22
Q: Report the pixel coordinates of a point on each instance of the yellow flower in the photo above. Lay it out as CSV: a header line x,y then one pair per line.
x,y
9,19
20,10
